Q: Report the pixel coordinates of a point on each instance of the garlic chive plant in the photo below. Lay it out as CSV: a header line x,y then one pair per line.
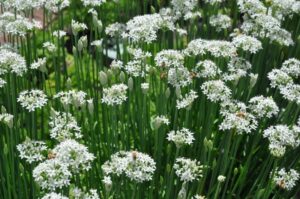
x,y
187,99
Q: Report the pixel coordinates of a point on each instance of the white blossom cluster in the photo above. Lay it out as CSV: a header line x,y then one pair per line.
x,y
247,43
207,69
179,77
188,170
220,22
169,59
93,2
144,28
237,118
237,67
72,97
115,29
64,126
77,27
216,48
32,151
263,107
283,79
187,100
73,154
181,137
39,64
53,195
159,120
32,99
216,90
115,95
12,62
280,137
137,166
185,8
286,179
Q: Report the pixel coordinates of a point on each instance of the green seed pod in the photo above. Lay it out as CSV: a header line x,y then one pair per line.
x,y
122,76
208,144
130,83
103,78
168,93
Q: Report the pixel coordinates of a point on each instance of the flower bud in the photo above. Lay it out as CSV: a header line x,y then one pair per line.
x,y
167,93
130,83
103,78
122,76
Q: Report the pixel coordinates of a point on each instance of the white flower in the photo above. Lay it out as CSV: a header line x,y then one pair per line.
x,y
12,62
169,58
247,43
188,170
221,178
144,28
185,8
281,136
212,2
115,29
56,5
77,27
93,2
138,53
63,126
291,92
207,69
2,82
74,155
216,90
216,48
116,65
251,6
291,67
186,101
159,120
181,137
49,46
115,95
220,22
179,77
76,98
136,68
32,151
135,165
237,67
40,64
53,195
263,107
32,99
59,33
279,78
286,179
236,117
52,174
145,87
21,26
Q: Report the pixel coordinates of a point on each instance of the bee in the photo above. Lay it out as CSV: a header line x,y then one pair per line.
x,y
281,184
134,155
163,75
240,114
51,155
193,75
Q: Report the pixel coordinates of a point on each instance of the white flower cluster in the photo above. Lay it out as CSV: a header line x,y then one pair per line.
x,y
179,77
12,62
187,100
52,174
64,126
49,46
286,179
32,151
79,194
280,137
77,27
76,98
56,5
188,170
185,8
169,59
39,64
181,137
283,79
115,29
237,67
115,95
216,48
266,26
53,195
216,90
263,107
251,7
207,69
144,28
220,22
247,43
93,2
236,117
281,9
159,120
137,166
32,99
73,154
